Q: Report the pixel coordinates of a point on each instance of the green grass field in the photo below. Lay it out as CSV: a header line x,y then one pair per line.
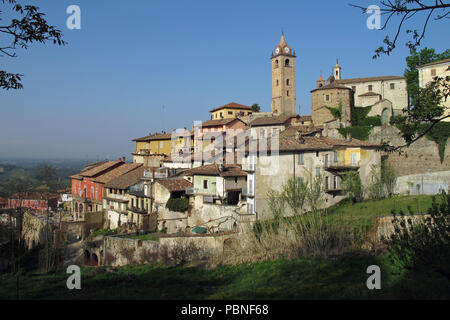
x,y
342,277
309,278
361,214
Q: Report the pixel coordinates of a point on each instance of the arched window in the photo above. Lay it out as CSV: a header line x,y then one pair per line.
x,y
286,62
276,63
287,82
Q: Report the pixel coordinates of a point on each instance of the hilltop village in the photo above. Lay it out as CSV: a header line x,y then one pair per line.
x,y
209,181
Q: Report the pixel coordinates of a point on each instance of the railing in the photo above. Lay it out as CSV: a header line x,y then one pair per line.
x,y
341,165
248,167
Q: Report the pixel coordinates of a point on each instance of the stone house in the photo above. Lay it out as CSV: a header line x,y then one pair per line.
x,y
214,183
305,156
428,71
116,198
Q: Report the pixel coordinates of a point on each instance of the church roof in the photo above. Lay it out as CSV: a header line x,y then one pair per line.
x,y
369,79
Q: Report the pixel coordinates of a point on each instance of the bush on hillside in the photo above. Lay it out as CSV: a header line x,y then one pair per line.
x,y
177,204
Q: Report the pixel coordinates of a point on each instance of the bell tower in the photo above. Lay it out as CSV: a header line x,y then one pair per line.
x,y
284,95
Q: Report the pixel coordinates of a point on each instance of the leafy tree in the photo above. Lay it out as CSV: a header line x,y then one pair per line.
x,y
352,186
256,108
27,27
295,193
388,178
315,194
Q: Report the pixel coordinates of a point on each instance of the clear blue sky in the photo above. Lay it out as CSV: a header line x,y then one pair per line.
x,y
108,85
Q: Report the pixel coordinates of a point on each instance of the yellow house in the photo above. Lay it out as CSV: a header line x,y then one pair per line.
x,y
428,71
153,148
230,110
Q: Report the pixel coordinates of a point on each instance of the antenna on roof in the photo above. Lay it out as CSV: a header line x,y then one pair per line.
x,y
162,118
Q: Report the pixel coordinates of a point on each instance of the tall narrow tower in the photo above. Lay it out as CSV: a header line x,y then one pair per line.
x,y
284,95
337,71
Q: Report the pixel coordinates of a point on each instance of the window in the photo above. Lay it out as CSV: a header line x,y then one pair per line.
x,y
392,86
300,158
354,88
205,184
326,160
327,183
335,182
230,112
327,97
146,146
300,181
287,93
287,81
433,72
353,159
277,83
370,87
263,133
337,73
161,144
235,179
286,63
276,63
221,115
335,156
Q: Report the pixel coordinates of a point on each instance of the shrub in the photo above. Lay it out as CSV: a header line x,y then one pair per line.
x,y
423,244
351,184
178,204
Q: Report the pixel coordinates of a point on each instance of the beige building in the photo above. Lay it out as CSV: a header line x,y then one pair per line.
x,y
283,80
306,156
440,69
386,95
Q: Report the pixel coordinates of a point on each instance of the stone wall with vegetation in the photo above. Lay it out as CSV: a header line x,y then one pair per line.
x,y
419,158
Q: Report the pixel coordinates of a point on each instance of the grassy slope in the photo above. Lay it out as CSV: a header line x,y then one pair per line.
x,y
312,278
361,214
306,278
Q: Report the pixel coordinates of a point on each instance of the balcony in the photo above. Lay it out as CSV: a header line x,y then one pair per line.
x,y
339,166
248,167
138,210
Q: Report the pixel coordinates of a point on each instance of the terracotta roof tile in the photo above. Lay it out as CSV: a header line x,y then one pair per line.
x,y
369,79
154,136
98,169
116,172
272,120
213,170
220,122
232,105
126,180
174,184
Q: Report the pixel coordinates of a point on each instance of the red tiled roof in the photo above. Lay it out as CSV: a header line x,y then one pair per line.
x,y
174,184
369,79
126,180
272,120
96,169
154,136
220,122
116,172
434,62
232,105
